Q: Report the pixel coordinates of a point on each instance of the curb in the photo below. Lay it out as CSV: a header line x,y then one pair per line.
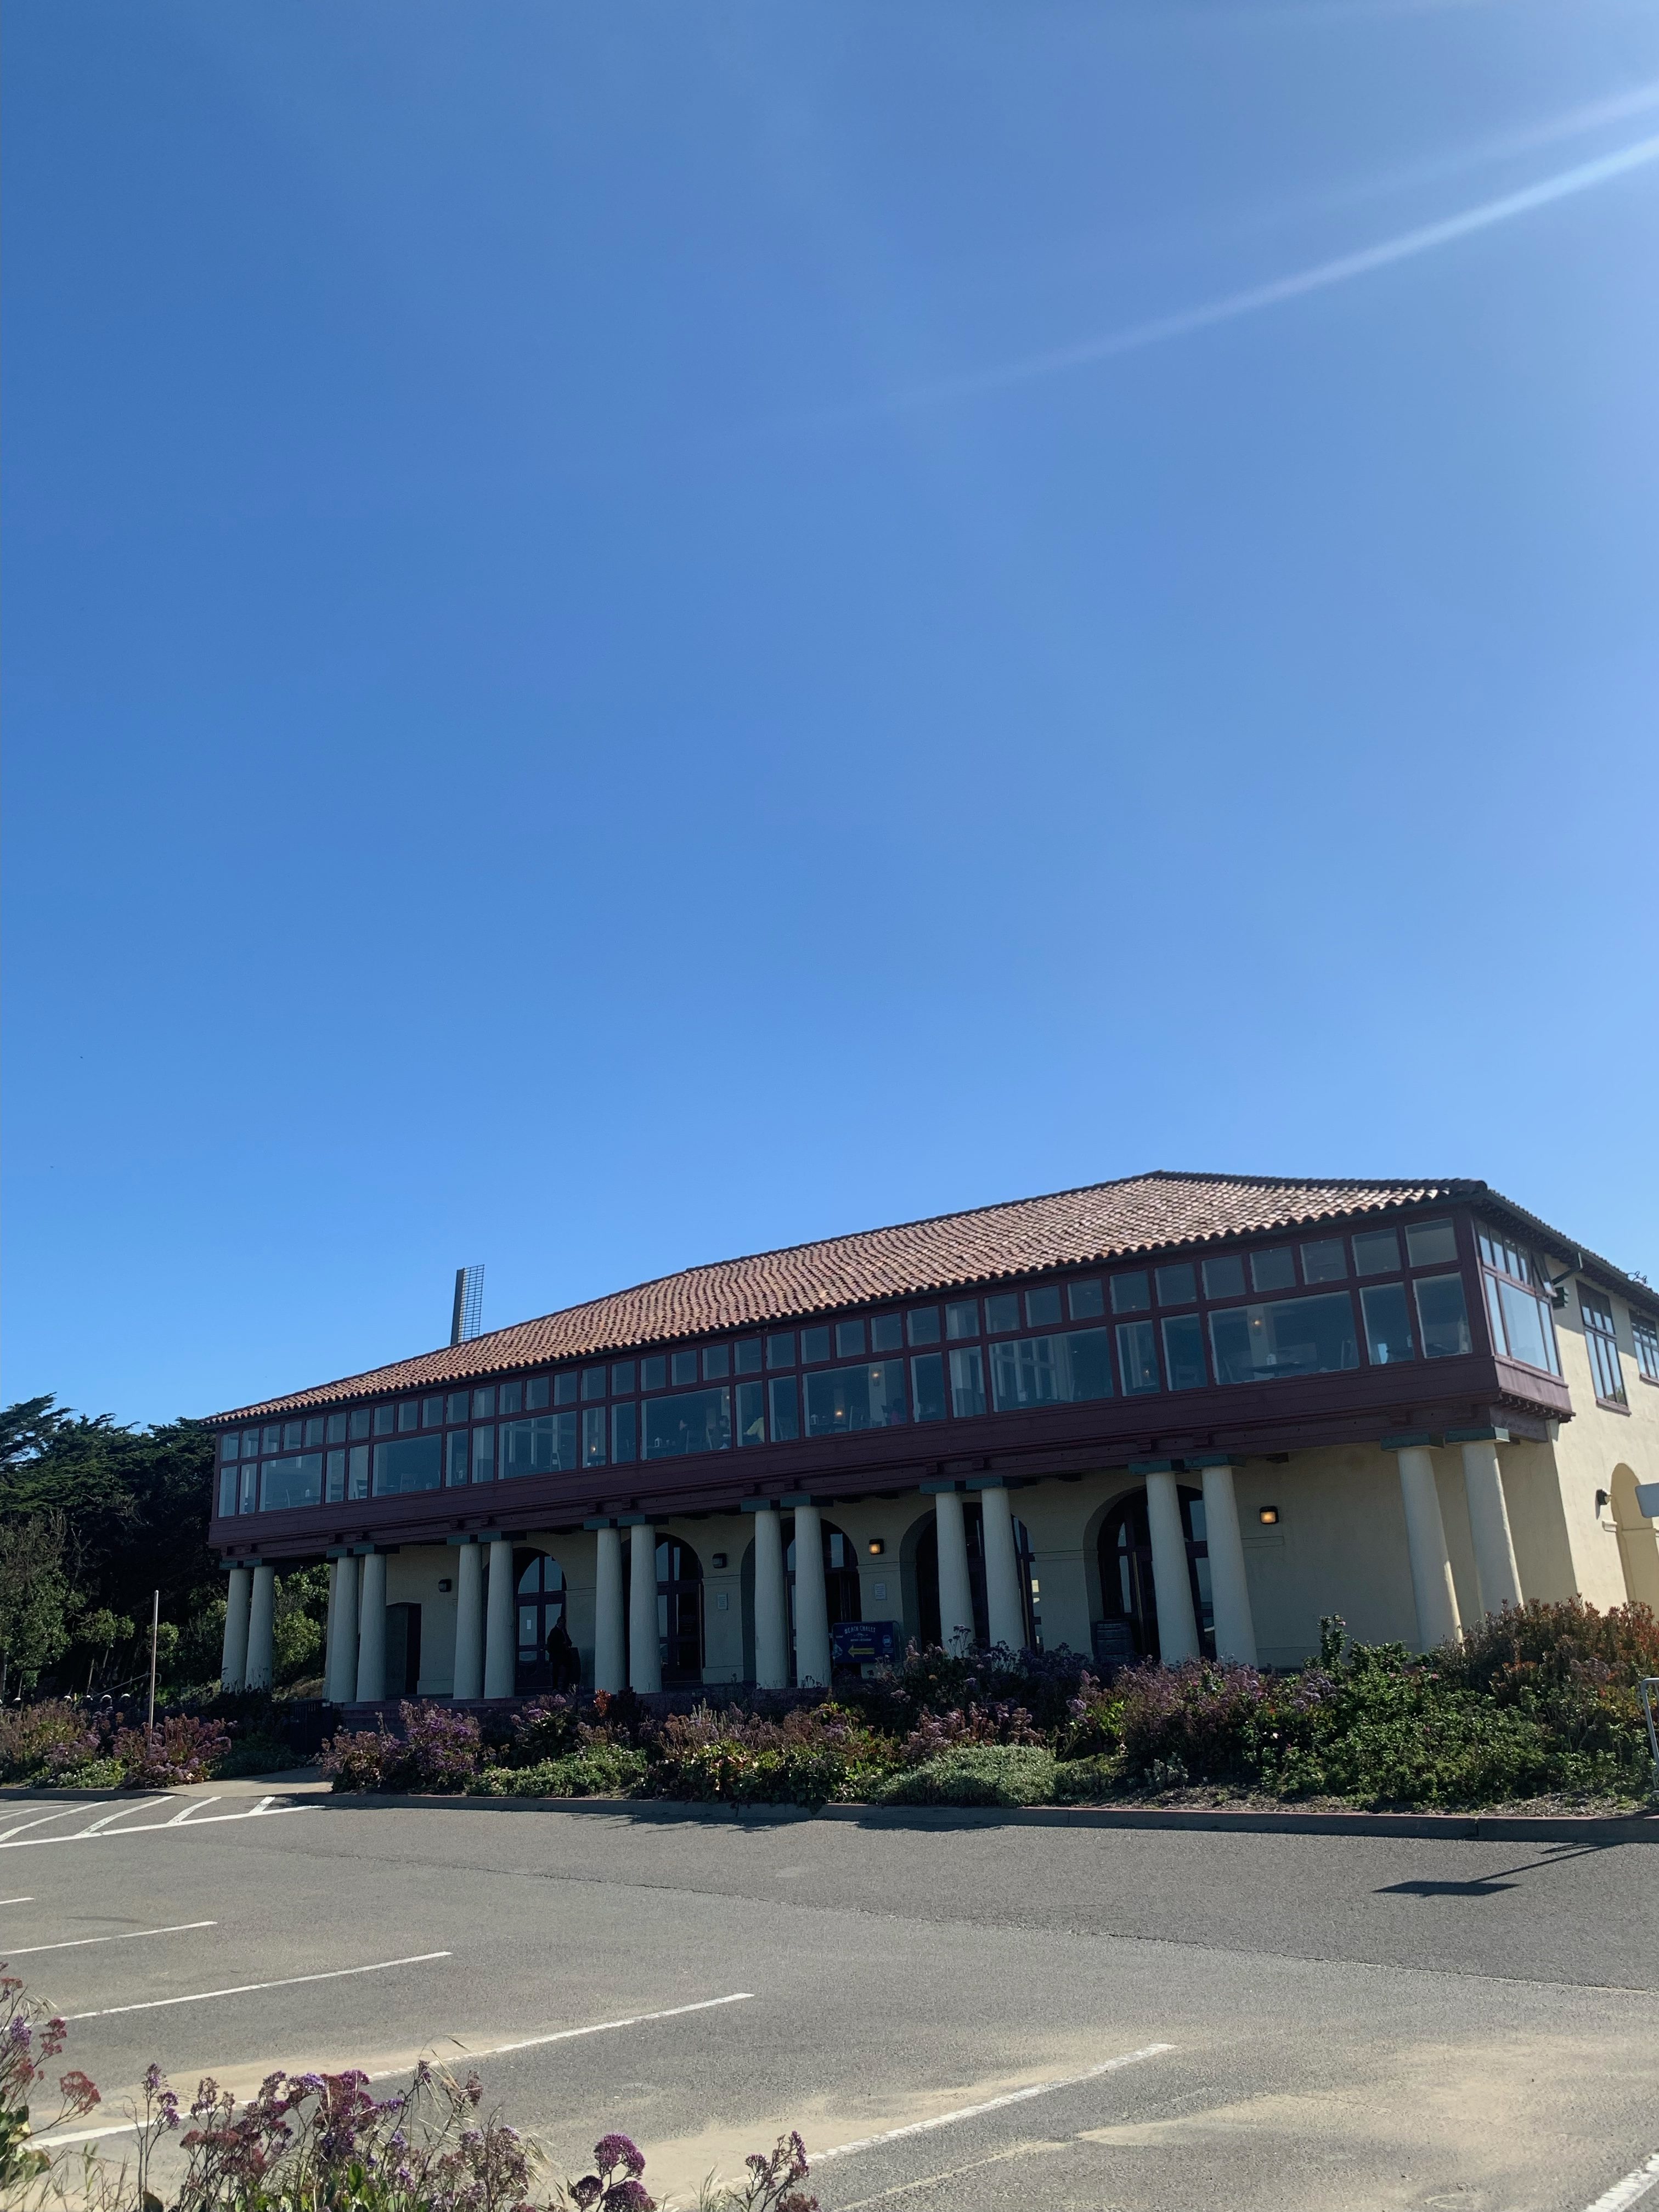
x,y
1448,1827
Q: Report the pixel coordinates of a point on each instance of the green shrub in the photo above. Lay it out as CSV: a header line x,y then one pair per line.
x,y
819,1755
978,1774
1088,1781
254,1754
94,1774
601,1771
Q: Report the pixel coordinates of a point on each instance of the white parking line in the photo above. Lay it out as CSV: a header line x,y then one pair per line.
x,y
247,1988
598,2027
16,1901
104,1833
998,2103
138,1805
128,1935
185,1811
83,2135
60,1812
1631,2190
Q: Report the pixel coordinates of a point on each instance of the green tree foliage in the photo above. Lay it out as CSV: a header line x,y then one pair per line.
x,y
34,1594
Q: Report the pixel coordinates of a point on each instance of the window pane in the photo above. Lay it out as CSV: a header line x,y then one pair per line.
x,y
594,1435
1296,1336
814,1344
293,1435
1376,1253
927,1386
1325,1261
961,1318
922,1324
653,1372
314,1430
409,1414
887,1332
249,1486
293,1481
229,1446
1132,1293
432,1414
1645,1334
512,1397
621,1379
1223,1278
751,1412
849,1344
1177,1285
700,1421
1043,1307
458,1448
544,1444
1431,1243
250,1441
1444,1318
786,1409
716,1362
1525,1326
460,1405
780,1349
1388,1325
336,1465
537,1392
483,1404
682,1367
1085,1300
1274,1270
624,1434
1050,1370
1183,1352
842,1399
745,1356
227,1481
566,1385
386,1420
358,1422
967,1383
411,1463
1137,1355
358,1480
1001,1312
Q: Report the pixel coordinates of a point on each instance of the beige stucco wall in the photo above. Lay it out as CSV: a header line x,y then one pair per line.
x,y
1589,1451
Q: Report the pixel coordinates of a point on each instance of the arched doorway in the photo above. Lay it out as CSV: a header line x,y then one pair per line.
x,y
679,1610
539,1582
1127,1590
1638,1542
840,1582
926,1573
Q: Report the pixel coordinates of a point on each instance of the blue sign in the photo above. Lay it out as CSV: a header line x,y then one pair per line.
x,y
853,1641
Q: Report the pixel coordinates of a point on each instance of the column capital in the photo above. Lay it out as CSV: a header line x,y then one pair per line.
x,y
758,1505
1477,1436
939,1485
996,1482
1195,1463
802,1498
601,1520
1155,1467
634,1520
1421,1441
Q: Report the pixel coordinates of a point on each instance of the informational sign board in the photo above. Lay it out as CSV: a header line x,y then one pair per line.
x,y
853,1641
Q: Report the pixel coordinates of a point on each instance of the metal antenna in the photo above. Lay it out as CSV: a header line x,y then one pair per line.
x,y
467,1318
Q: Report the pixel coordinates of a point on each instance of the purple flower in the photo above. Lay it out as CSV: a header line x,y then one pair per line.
x,y
628,2197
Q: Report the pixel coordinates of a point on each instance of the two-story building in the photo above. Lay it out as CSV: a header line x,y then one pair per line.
x,y
1173,1414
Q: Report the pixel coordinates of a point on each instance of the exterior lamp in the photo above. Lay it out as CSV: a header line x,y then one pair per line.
x,y
1268,1515
877,1546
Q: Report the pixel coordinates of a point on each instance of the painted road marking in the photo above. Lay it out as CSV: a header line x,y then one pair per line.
x,y
130,1935
598,2027
1631,2190
139,1805
185,1811
246,1988
84,2135
1013,2097
104,1833
16,1901
61,1813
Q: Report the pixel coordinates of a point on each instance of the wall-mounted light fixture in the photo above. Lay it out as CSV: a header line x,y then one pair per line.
x,y
1603,1500
717,1559
1268,1515
446,1585
877,1546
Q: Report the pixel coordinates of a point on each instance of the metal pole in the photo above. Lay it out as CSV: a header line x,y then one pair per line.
x,y
154,1632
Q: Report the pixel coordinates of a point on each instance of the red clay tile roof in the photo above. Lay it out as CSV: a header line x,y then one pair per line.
x,y
1071,1228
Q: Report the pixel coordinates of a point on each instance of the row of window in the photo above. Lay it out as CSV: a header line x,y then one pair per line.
x,y
1253,1343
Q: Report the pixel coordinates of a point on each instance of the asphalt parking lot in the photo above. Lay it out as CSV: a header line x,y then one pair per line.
x,y
956,2019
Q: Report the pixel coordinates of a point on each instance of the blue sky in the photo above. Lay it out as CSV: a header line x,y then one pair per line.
x,y
612,660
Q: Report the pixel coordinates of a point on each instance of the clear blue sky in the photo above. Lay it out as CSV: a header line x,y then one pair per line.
x,y
604,673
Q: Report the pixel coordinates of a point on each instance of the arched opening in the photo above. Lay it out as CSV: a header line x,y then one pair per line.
x,y
925,1557
539,1585
679,1609
840,1582
1127,1594
1638,1541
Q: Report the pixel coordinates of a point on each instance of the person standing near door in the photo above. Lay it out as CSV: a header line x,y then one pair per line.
x,y
564,1658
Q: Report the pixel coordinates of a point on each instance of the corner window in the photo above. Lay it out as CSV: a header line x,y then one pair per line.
x,y
1522,1327
1602,1345
1431,1243
1646,1335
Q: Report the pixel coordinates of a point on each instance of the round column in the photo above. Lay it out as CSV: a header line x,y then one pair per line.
x,y
342,1652
1489,1525
644,1641
1172,1581
956,1592
468,1678
610,1655
771,1603
371,1631
1235,1624
500,1648
261,1620
1432,1587
1005,1614
233,1666
812,1603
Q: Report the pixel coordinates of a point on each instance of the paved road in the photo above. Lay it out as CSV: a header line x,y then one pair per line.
x,y
1308,2024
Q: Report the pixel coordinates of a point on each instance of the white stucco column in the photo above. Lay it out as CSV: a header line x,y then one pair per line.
x,y
609,1656
371,1630
342,1634
1425,1540
233,1667
771,1603
1005,1614
1235,1626
956,1591
500,1645
812,1603
1172,1581
330,1622
1495,1569
644,1643
468,1680
261,1620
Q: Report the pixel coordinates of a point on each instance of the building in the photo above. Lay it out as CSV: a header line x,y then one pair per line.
x,y
1171,1414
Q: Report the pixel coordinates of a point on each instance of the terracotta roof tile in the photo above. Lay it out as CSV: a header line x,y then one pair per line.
x,y
1071,1228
